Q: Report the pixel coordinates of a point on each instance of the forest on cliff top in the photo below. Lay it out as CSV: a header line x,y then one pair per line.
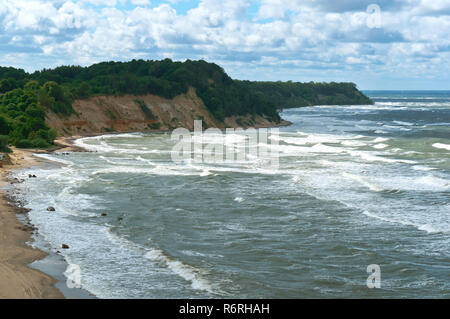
x,y
26,97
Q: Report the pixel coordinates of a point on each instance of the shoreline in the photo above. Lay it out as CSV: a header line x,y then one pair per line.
x,y
29,253
17,279
27,271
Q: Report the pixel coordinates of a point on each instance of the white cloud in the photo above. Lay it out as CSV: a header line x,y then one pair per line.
x,y
108,3
140,2
307,34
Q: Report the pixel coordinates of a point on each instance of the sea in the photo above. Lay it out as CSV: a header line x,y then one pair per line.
x,y
356,189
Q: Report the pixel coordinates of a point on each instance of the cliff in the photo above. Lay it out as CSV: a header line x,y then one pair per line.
x,y
147,96
104,114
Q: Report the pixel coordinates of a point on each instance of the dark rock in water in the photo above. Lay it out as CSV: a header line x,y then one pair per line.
x,y
64,246
17,181
103,215
31,176
120,219
51,209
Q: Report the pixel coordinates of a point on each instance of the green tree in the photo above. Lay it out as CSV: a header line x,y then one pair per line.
x,y
4,144
4,126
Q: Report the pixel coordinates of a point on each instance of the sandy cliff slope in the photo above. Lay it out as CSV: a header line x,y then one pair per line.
x,y
105,114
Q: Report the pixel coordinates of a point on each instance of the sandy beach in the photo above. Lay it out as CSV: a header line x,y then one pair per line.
x,y
17,280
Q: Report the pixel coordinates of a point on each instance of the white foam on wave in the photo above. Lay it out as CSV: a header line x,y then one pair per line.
x,y
434,182
441,146
187,272
120,135
320,148
393,215
102,147
380,146
309,138
422,168
285,149
404,105
60,190
386,106
205,172
230,139
232,167
124,135
157,170
353,143
239,199
401,128
53,159
72,203
139,158
296,179
363,181
313,143
437,124
109,161
424,227
381,139
325,189
404,123
373,158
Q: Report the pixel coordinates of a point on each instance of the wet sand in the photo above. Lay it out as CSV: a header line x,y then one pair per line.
x,y
17,279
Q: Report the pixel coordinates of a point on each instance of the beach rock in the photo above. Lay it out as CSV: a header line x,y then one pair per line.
x,y
120,219
104,215
22,210
26,228
16,181
64,246
51,209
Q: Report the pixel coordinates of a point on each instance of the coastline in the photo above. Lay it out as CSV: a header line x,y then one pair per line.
x,y
17,279
28,268
28,272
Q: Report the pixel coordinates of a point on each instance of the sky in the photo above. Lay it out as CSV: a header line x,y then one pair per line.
x,y
384,44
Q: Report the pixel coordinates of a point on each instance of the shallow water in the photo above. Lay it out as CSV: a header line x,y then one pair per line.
x,y
356,185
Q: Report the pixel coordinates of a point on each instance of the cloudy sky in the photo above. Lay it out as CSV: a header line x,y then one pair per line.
x,y
384,44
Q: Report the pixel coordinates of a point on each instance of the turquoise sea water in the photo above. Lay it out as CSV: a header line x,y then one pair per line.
x,y
356,185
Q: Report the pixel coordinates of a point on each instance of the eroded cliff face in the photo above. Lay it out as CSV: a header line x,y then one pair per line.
x,y
106,114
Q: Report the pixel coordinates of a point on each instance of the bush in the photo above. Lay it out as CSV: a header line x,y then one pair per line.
x,y
40,143
4,126
147,112
154,126
24,144
4,144
34,143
